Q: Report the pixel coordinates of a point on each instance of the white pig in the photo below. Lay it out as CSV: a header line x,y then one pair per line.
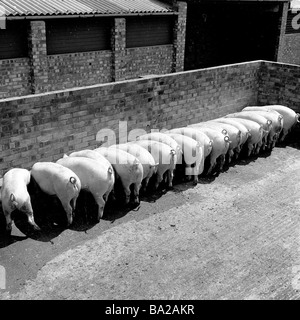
x,y
254,142
105,165
220,145
164,155
93,177
93,155
263,121
208,124
128,168
144,156
193,153
245,133
234,136
14,195
163,138
54,179
277,122
201,137
290,118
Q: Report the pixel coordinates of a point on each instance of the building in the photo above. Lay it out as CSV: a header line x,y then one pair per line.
x,y
46,46
73,43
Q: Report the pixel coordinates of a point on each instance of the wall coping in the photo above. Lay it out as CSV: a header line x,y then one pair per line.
x,y
281,63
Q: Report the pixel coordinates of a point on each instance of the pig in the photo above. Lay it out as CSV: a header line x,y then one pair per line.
x,y
290,118
105,164
94,178
266,123
235,138
165,156
193,154
201,137
128,169
163,138
221,144
87,153
245,133
254,142
144,156
212,126
55,179
277,123
14,195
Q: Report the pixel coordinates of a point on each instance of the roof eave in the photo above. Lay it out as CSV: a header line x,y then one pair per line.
x,y
61,16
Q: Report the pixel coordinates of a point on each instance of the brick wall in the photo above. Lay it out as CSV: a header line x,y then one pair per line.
x,y
14,77
45,126
148,60
279,84
88,68
79,69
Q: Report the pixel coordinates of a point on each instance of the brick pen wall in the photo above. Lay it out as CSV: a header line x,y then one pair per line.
x,y
279,83
45,126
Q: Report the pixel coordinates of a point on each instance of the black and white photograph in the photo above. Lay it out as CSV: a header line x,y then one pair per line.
x,y
149,153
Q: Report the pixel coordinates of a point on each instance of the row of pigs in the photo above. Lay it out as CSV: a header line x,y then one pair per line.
x,y
200,148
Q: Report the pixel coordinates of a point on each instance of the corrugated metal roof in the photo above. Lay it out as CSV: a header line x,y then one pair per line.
x,y
72,7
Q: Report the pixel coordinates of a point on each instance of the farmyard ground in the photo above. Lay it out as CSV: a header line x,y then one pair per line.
x,y
233,236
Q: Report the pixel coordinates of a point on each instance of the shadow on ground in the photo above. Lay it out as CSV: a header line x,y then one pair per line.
x,y
292,139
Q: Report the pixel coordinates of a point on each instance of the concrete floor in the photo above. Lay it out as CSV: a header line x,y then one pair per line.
x,y
233,236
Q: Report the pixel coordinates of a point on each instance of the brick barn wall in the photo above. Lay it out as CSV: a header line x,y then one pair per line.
x,y
148,60
279,84
42,127
48,72
79,69
14,77
87,68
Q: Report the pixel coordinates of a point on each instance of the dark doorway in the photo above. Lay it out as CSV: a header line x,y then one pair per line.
x,y
230,32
